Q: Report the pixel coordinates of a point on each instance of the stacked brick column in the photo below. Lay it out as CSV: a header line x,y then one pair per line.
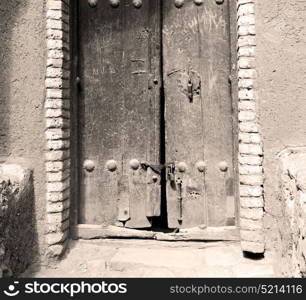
x,y
57,106
250,144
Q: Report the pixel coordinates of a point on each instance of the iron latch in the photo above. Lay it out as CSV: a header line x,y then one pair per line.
x,y
179,184
171,173
190,90
176,183
155,167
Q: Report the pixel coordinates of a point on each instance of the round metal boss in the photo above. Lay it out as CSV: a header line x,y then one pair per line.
x,y
182,167
92,3
178,3
198,2
89,165
201,166
137,3
134,164
114,3
111,165
223,166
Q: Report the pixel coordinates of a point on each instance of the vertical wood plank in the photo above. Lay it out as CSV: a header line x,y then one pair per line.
x,y
184,116
119,115
196,46
101,107
219,141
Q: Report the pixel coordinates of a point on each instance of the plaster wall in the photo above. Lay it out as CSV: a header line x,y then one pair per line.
x,y
22,74
281,88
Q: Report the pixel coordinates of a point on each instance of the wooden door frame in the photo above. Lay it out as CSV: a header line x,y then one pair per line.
x,y
62,165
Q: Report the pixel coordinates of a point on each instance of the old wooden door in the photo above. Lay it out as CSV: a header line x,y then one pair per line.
x,y
155,100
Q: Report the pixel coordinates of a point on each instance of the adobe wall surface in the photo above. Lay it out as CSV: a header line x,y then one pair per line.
x,y
22,72
291,248
281,67
18,248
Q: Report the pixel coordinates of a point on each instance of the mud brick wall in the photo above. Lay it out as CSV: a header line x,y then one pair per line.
x,y
17,220
292,223
281,89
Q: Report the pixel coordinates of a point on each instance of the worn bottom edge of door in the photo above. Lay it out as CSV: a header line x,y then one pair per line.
x,y
87,232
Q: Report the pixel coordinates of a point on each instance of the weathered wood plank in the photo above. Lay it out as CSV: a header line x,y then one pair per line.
x,y
96,231
141,123
208,234
184,115
119,112
100,116
196,48
230,233
218,120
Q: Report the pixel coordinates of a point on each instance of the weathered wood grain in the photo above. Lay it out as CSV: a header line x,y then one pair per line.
x,y
227,233
196,49
86,232
119,111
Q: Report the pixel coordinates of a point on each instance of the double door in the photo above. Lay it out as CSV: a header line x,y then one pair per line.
x,y
155,114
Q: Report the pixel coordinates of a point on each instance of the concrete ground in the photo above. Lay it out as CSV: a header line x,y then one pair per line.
x,y
148,258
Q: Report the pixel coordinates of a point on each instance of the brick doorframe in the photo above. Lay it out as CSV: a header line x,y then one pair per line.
x,y
58,143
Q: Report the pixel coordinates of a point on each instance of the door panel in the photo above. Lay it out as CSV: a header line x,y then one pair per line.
x,y
198,113
119,112
120,108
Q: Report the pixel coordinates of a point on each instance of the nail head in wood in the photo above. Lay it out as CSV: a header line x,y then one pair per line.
x,y
178,3
198,2
201,166
134,164
182,167
89,165
137,3
223,166
114,3
111,165
92,3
